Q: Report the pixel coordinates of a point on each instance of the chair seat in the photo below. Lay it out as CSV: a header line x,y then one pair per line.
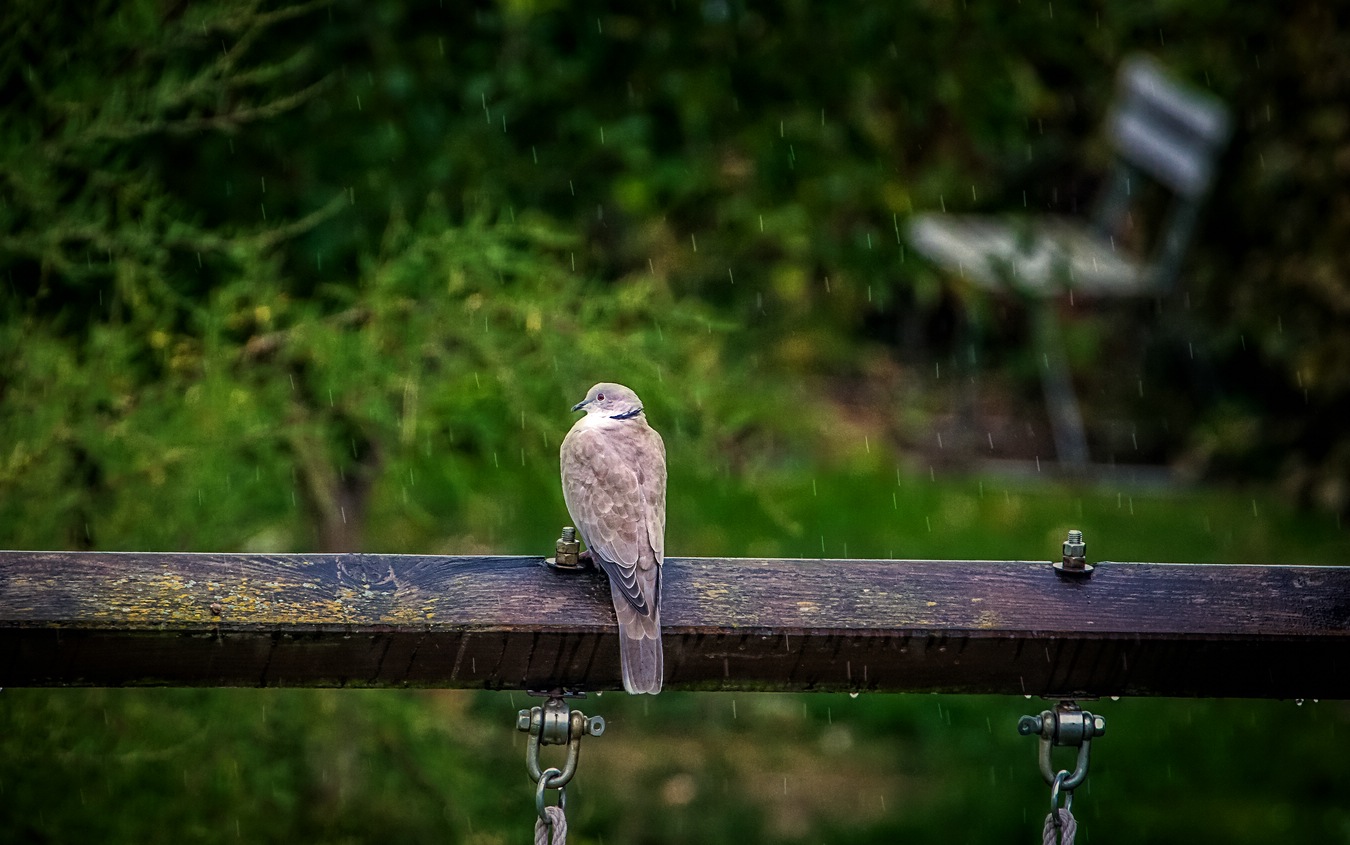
x,y
1043,257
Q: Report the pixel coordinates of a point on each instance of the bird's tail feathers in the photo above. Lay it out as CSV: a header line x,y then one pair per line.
x,y
640,652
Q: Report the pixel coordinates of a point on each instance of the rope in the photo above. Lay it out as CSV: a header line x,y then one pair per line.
x,y
556,826
1052,836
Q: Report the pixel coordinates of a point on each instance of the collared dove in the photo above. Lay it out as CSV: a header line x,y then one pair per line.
x,y
614,483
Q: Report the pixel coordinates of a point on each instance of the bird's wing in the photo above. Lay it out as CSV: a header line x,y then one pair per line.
x,y
652,481
608,494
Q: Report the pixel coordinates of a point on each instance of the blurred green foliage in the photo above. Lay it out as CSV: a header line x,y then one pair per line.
x,y
756,162
327,275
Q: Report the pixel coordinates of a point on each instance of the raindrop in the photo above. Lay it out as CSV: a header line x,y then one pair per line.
x,y
1298,702
1115,698
733,708
731,276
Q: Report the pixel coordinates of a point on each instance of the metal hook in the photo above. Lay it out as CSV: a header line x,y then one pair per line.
x,y
1055,789
1066,725
552,724
547,781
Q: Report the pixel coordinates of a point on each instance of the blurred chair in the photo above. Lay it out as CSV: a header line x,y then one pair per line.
x,y
1156,128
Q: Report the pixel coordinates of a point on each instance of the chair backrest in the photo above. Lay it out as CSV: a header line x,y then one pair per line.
x,y
1173,134
1170,132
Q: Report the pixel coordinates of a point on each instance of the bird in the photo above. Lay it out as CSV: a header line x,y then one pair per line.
x,y
614,483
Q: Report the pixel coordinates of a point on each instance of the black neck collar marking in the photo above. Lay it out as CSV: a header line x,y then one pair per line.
x,y
628,415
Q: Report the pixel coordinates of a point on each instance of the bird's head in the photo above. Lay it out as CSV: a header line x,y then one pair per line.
x,y
610,400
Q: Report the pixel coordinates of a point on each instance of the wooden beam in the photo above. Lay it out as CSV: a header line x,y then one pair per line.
x,y
112,619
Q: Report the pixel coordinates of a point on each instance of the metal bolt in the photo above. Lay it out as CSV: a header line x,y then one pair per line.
x,y
1029,725
595,726
523,721
1074,560
568,550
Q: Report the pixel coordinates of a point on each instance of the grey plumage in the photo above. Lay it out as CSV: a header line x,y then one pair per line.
x,y
614,482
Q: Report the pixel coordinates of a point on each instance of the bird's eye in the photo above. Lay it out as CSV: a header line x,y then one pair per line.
x,y
599,397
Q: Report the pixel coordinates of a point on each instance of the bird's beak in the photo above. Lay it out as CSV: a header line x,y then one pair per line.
x,y
583,403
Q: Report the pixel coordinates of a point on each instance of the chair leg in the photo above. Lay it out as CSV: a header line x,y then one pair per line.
x,y
1061,403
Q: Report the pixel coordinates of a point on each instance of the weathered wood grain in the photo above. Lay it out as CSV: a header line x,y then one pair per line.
x,y
508,622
